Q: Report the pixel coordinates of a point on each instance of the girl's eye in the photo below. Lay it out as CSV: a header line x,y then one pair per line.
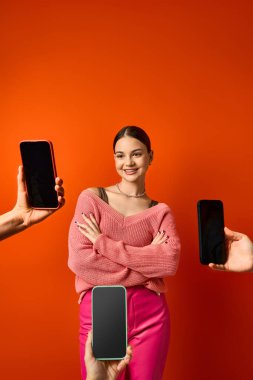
x,y
137,154
119,156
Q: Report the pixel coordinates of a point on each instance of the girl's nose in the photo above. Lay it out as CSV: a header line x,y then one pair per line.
x,y
129,161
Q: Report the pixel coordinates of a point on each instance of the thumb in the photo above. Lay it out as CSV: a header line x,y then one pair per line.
x,y
232,235
21,179
88,348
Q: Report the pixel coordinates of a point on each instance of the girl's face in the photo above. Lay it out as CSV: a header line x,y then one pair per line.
x,y
131,158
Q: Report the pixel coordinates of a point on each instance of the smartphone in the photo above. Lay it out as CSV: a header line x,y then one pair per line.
x,y
40,173
212,245
109,322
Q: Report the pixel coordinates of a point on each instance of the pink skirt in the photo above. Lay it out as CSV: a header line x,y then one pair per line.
x,y
148,333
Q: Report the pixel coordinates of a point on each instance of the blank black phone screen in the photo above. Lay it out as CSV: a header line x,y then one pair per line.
x,y
109,320
211,232
37,158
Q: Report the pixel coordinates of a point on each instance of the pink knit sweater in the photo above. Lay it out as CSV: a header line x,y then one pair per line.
x,y
123,253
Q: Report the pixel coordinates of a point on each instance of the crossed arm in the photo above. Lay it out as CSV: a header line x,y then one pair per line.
x,y
135,266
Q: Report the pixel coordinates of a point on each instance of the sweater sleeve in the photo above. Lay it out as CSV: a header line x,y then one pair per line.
x,y
152,260
85,261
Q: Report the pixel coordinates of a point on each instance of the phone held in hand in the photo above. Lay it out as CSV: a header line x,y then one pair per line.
x,y
40,173
109,322
212,244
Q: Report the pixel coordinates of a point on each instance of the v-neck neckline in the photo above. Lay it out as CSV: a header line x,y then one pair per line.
x,y
119,214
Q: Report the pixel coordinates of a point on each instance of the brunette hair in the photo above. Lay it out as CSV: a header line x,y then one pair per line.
x,y
135,132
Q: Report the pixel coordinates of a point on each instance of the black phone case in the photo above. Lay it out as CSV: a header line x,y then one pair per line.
x,y
40,173
212,247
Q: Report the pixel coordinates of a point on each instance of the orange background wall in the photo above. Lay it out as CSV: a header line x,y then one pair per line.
x,y
75,72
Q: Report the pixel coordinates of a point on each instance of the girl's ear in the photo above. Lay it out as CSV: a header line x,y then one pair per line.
x,y
151,156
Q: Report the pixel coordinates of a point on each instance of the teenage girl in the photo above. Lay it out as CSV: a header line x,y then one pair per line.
x,y
119,235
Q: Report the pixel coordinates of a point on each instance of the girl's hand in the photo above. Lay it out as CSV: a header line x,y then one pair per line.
x,y
90,229
160,238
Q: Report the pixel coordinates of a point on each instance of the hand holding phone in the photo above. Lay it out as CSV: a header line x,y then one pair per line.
x,y
239,253
99,369
23,213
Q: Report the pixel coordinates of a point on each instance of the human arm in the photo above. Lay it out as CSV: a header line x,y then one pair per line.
x,y
23,215
239,253
86,262
153,260
103,370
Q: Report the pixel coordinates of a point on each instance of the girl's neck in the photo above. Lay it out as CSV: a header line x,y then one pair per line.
x,y
131,188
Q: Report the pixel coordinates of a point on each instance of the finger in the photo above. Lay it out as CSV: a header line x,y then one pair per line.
x,y
84,230
88,221
161,241
232,235
129,352
157,236
85,233
58,181
61,201
88,229
59,189
219,267
79,224
162,234
124,362
21,179
81,227
84,227
162,238
88,347
93,220
154,240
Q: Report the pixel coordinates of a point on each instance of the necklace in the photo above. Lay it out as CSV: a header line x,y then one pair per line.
x,y
130,195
